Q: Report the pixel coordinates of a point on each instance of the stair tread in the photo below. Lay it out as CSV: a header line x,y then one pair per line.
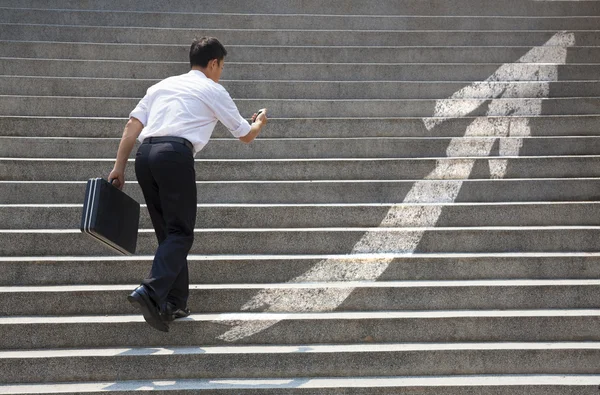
x,y
317,285
293,349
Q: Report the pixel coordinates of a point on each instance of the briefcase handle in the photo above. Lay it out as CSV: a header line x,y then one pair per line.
x,y
111,181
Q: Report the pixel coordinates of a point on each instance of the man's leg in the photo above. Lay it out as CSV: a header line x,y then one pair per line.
x,y
143,297
172,167
180,291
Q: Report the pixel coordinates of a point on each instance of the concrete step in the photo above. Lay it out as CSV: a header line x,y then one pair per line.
x,y
82,127
282,21
37,169
336,215
260,269
311,148
361,296
260,37
302,70
352,7
64,242
27,333
450,385
307,360
120,107
399,52
101,87
350,191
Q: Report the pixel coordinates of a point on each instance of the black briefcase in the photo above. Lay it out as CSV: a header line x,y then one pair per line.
x,y
110,216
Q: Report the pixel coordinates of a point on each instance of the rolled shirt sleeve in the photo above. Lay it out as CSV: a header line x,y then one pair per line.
x,y
228,113
141,110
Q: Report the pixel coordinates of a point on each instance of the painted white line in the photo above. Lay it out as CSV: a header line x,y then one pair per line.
x,y
304,349
438,183
306,316
267,206
318,285
287,82
378,232
553,51
362,258
474,149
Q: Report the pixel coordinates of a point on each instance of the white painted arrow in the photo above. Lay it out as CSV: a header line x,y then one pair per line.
x,y
554,52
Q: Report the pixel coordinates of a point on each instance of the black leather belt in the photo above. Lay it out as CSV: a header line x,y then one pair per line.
x,y
169,139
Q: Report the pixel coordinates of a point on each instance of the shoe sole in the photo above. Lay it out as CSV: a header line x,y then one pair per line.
x,y
174,317
148,316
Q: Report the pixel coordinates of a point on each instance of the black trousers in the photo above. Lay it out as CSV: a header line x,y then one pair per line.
x,y
166,174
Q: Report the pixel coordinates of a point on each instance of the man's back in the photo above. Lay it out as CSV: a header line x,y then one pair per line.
x,y
188,106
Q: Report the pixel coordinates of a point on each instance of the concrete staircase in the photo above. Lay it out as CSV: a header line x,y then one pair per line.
x,y
420,216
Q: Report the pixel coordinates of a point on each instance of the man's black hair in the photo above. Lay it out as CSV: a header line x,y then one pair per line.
x,y
206,49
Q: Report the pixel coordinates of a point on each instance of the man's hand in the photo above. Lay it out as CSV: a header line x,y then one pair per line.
x,y
119,176
257,124
262,118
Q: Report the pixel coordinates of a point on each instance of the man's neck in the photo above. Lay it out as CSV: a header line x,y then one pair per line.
x,y
200,69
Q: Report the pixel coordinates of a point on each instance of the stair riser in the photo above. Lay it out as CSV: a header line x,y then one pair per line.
x,y
326,22
307,148
296,90
25,32
289,53
118,107
282,270
187,333
310,128
433,169
321,242
361,299
341,216
300,71
328,192
303,364
354,7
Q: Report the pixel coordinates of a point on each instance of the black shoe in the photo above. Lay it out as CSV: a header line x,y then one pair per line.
x,y
170,313
140,299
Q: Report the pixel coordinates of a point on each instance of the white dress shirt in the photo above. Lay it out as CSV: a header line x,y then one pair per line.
x,y
188,106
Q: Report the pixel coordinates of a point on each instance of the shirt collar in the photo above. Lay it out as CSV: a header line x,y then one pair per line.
x,y
198,73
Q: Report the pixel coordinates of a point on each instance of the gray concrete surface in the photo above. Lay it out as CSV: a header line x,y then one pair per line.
x,y
520,272
307,148
242,36
319,241
309,360
356,127
33,169
188,19
136,88
336,215
63,192
388,296
270,69
297,329
61,106
272,269
353,7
